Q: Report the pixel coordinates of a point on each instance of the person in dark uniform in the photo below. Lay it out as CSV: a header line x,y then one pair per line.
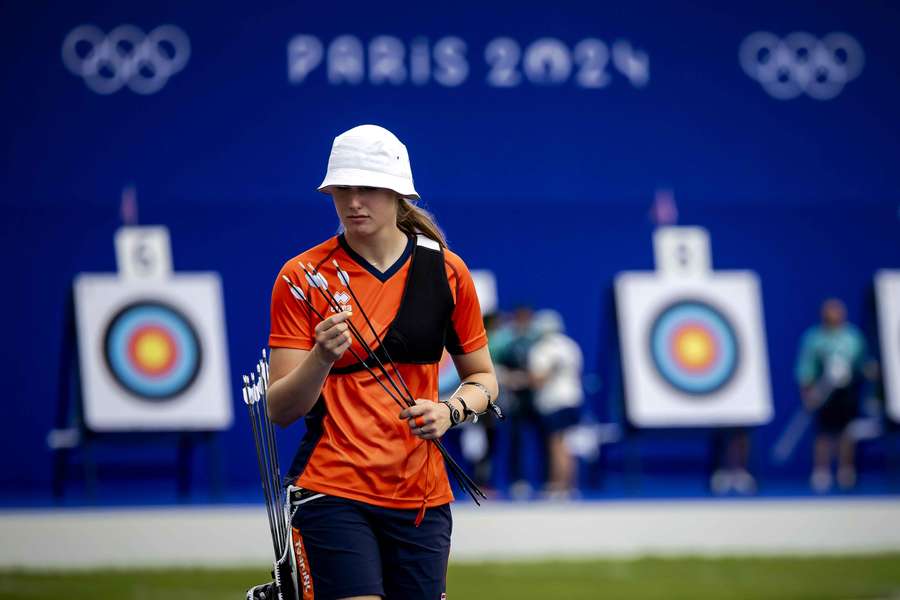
x,y
518,393
830,365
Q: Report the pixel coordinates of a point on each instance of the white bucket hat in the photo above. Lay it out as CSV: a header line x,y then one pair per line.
x,y
370,156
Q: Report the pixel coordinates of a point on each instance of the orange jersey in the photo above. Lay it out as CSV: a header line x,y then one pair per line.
x,y
356,446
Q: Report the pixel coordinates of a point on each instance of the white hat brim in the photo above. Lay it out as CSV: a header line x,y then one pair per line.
x,y
364,178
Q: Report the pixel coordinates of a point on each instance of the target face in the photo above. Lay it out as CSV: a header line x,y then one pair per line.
x,y
152,353
152,350
694,347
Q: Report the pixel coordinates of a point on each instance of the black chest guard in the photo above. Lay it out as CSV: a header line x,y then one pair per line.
x,y
422,326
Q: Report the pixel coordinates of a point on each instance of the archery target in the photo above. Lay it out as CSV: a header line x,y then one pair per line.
x,y
152,353
152,350
694,347
887,294
693,350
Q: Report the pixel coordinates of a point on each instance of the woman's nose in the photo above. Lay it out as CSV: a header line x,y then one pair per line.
x,y
356,197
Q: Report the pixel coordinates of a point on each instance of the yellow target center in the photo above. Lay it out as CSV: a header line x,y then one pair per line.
x,y
153,351
694,349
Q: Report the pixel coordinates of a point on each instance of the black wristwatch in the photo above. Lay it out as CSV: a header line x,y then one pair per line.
x,y
455,417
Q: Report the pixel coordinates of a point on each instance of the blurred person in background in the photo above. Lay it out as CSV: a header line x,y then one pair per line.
x,y
518,397
498,338
375,520
831,363
554,366
478,440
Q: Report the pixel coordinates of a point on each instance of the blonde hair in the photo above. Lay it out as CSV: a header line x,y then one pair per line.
x,y
413,220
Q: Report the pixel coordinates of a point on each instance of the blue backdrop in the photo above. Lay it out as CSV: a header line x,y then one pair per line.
x,y
543,173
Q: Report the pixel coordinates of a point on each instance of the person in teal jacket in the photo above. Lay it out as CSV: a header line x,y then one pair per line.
x,y
831,363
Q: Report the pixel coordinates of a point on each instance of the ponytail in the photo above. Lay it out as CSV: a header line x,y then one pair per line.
x,y
413,220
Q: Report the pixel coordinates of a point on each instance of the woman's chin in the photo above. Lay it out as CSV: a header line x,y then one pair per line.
x,y
359,229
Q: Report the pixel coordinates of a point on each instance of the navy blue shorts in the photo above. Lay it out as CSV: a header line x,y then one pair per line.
x,y
357,549
562,419
838,411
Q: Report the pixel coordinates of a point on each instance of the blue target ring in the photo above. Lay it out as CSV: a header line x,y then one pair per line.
x,y
694,347
152,350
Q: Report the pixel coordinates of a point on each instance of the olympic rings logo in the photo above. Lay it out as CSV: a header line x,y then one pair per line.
x,y
801,63
126,57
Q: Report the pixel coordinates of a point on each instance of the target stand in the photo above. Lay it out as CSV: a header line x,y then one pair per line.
x,y
692,349
143,370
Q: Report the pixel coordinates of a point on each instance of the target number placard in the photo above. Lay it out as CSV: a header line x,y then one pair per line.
x,y
887,293
693,350
152,353
144,252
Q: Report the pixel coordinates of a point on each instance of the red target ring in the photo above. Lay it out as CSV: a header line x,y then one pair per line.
x,y
153,350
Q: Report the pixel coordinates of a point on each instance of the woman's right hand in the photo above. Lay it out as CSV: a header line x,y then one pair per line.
x,y
333,337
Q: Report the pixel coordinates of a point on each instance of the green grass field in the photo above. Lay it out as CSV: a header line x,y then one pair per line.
x,y
812,578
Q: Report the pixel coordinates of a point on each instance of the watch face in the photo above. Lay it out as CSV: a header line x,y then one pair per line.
x,y
454,415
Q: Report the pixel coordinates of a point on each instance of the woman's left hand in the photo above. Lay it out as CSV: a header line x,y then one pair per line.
x,y
428,419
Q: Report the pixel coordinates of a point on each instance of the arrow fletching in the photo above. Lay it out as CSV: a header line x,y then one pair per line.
x,y
343,276
295,291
